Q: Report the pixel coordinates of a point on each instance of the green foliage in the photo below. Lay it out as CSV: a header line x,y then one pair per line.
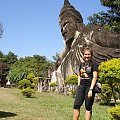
x,y
15,75
1,55
110,74
24,84
31,76
56,57
28,92
110,71
106,94
109,19
27,85
7,60
38,65
72,80
53,84
114,113
73,93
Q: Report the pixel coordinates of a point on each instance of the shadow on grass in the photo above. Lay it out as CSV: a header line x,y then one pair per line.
x,y
6,114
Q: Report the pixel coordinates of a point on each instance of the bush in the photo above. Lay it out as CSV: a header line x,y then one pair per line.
x,y
53,84
28,92
114,113
106,94
72,80
27,86
73,93
24,84
31,76
109,73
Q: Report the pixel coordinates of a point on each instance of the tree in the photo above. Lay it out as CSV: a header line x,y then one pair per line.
x,y
10,58
109,19
56,59
1,55
38,65
110,74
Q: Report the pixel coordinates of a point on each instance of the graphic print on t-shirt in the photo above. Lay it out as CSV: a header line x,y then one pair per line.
x,y
85,70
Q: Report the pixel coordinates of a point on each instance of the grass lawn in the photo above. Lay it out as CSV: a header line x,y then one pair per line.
x,y
43,106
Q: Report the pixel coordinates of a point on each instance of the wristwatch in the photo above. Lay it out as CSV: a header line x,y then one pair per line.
x,y
91,89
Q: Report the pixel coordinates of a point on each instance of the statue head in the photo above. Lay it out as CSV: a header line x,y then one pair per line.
x,y
68,20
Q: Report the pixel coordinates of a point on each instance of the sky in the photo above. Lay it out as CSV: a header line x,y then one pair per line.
x,y
31,27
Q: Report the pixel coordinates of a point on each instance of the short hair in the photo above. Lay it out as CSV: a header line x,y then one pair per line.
x,y
88,49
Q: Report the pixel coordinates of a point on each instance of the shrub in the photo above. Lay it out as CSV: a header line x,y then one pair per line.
x,y
72,80
24,84
73,93
106,94
31,76
53,84
109,73
27,86
28,92
114,113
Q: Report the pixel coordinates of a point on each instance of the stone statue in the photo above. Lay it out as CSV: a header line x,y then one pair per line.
x,y
104,43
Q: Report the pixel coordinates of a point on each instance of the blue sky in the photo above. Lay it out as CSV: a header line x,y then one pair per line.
x,y
31,27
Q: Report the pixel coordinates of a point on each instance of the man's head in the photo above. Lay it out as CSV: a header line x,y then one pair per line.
x,y
68,20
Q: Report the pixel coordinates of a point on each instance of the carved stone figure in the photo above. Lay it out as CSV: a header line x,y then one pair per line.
x,y
104,43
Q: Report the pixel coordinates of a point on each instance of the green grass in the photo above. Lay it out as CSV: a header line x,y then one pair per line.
x,y
43,106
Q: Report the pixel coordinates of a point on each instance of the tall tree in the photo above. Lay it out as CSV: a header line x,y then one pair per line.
x,y
6,62
10,58
109,19
1,55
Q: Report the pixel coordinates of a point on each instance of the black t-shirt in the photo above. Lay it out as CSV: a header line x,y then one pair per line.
x,y
86,72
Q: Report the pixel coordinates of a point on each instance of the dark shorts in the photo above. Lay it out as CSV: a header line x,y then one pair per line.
x,y
81,95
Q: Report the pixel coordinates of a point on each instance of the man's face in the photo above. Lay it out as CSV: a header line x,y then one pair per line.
x,y
68,28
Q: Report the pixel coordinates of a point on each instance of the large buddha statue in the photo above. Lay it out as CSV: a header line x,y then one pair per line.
x,y
104,43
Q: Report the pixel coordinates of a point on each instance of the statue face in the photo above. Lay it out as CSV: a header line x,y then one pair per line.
x,y
68,28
